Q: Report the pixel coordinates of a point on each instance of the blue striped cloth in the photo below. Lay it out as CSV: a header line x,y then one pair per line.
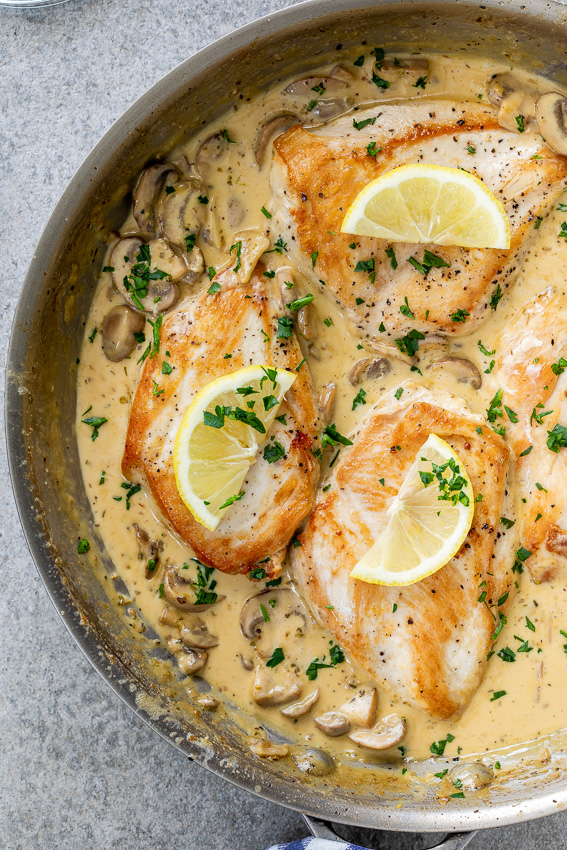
x,y
316,844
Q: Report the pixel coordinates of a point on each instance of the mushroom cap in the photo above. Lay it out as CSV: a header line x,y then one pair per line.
x,y
192,660
251,617
461,368
151,184
117,332
298,709
314,761
551,117
274,687
387,733
361,709
333,723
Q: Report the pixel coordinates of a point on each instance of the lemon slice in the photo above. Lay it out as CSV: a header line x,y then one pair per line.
x,y
424,531
219,437
429,203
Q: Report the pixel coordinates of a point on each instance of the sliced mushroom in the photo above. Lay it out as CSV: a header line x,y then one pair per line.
x,y
147,193
269,129
274,687
361,709
339,72
471,776
402,74
304,322
117,332
170,617
325,110
252,619
314,761
192,661
209,155
181,214
235,213
161,294
387,733
175,645
298,709
209,702
513,98
265,749
460,368
307,86
246,662
333,723
369,367
148,550
327,398
551,117
122,258
180,591
198,636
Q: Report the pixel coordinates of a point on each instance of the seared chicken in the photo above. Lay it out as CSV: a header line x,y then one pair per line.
x,y
316,175
427,642
240,321
530,376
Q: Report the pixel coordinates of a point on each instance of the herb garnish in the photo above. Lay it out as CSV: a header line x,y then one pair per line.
x,y
557,438
277,657
360,398
95,423
83,546
300,302
274,452
429,261
337,656
392,257
438,747
410,344
359,125
232,499
285,327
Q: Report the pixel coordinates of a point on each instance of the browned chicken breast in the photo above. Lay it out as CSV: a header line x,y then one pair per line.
x,y
530,387
427,643
316,175
242,321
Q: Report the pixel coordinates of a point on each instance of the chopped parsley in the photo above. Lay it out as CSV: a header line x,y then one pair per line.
x,y
429,261
166,368
337,656
484,350
83,546
285,327
95,422
373,150
405,309
190,241
522,556
359,125
300,302
331,437
496,296
460,316
232,499
131,490
360,398
314,256
557,438
226,137
398,393
420,83
265,212
410,344
392,257
519,119
93,335
277,657
238,248
559,367
507,523
379,81
438,747
274,452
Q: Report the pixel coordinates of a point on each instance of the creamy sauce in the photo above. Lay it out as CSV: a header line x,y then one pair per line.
x,y
534,705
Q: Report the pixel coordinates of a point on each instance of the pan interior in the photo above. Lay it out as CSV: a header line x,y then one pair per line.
x,y
41,396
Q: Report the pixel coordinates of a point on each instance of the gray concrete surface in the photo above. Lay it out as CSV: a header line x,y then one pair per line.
x,y
76,768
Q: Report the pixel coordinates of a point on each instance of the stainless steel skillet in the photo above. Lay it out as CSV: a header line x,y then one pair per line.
x,y
41,394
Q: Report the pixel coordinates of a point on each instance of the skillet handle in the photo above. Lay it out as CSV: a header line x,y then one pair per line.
x,y
324,829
